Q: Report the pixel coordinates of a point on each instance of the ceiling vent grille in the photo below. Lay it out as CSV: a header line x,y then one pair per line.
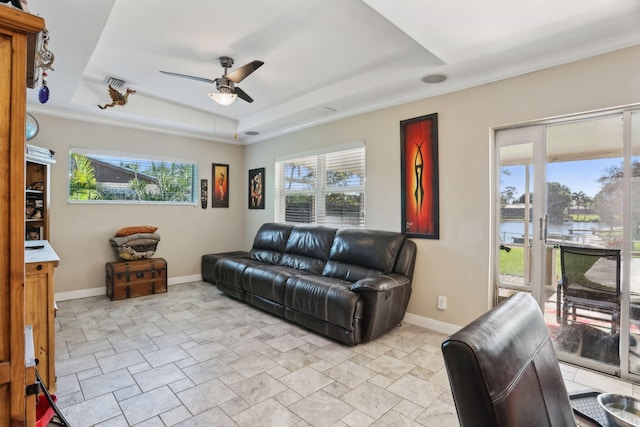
x,y
115,82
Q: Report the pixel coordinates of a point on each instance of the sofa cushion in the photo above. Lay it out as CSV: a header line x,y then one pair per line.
x,y
357,254
270,242
324,298
229,271
308,248
267,281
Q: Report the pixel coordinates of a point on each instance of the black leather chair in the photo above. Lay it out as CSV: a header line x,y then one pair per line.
x,y
503,369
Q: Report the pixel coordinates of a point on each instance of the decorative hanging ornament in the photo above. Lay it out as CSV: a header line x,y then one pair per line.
x,y
45,62
43,93
117,98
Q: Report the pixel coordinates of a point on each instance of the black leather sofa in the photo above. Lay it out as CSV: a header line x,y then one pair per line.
x,y
348,284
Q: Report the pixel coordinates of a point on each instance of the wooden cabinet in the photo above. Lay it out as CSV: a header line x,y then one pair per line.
x,y
16,28
40,307
37,178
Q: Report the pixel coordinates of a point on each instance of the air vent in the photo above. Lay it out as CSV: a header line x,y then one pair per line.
x,y
115,82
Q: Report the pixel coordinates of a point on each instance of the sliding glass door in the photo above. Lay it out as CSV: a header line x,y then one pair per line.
x,y
568,225
631,358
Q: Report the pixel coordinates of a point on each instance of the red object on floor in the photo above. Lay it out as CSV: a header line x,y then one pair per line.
x,y
44,411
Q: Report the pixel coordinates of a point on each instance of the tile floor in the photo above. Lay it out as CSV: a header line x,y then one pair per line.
x,y
195,357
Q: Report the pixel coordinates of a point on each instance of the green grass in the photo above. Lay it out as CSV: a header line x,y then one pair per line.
x,y
577,267
512,263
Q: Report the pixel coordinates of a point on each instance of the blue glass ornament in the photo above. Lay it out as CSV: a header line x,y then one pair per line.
x,y
43,94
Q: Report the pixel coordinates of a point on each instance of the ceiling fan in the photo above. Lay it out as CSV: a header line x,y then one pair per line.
x,y
226,85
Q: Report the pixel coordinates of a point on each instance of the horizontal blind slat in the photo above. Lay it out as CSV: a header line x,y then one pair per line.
x,y
327,189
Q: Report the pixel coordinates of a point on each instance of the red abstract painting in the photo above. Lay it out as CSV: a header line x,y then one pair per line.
x,y
419,169
220,186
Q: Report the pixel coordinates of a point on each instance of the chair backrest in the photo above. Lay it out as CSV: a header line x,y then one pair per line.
x,y
590,269
503,369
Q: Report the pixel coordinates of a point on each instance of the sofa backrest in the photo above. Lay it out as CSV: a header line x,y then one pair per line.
x,y
308,248
406,260
270,242
356,254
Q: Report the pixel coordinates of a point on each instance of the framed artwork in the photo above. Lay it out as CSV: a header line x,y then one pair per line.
x,y
220,186
204,185
419,181
256,188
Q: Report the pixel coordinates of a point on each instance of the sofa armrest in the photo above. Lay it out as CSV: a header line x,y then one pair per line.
x,y
380,283
385,299
209,261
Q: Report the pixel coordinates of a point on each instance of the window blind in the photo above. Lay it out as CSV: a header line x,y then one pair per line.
x,y
325,189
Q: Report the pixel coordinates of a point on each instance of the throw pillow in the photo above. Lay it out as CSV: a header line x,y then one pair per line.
x,y
127,231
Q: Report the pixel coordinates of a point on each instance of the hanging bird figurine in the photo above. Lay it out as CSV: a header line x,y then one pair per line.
x,y
117,97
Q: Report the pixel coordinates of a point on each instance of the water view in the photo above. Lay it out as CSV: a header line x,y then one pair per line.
x,y
582,233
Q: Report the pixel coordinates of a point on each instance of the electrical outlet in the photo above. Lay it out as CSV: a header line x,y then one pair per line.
x,y
442,302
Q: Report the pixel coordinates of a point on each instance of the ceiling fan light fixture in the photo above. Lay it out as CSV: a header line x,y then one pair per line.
x,y
223,98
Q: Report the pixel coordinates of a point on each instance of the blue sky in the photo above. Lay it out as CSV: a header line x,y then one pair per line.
x,y
578,175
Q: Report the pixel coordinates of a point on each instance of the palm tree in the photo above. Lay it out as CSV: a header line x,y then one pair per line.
x,y
580,199
83,178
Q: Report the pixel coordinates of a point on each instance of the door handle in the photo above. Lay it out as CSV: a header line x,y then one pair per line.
x,y
543,229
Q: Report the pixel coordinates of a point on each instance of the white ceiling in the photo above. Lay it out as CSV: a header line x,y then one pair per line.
x,y
324,59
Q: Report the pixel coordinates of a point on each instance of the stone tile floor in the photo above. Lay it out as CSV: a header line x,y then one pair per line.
x,y
195,357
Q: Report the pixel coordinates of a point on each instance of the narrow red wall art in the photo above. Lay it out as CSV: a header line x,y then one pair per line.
x,y
419,170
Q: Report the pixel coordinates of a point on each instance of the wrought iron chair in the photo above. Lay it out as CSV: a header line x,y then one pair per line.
x,y
590,283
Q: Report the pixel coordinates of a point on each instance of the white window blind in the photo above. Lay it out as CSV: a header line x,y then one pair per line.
x,y
325,189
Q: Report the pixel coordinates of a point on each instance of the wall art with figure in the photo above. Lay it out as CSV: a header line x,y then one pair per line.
x,y
256,188
220,184
419,182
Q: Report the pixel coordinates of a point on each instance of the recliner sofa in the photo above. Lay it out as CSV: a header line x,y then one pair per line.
x,y
350,285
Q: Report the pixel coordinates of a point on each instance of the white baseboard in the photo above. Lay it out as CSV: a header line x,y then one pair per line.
x,y
82,293
184,279
428,323
94,292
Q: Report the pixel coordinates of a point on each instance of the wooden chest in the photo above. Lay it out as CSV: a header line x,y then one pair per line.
x,y
129,279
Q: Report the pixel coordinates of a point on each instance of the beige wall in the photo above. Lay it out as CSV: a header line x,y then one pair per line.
x,y
80,232
458,264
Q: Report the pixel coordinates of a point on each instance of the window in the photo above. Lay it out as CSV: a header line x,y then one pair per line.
x,y
101,176
326,188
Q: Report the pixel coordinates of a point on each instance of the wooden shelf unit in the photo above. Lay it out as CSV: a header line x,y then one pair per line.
x,y
37,179
16,29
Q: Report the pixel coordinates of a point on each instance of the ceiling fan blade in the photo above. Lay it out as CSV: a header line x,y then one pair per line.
x,y
242,94
241,73
201,79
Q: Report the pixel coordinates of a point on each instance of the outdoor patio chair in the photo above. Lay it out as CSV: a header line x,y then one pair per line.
x,y
503,369
590,283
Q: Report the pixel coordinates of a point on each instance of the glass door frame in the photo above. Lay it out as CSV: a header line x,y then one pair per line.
x,y
538,243
533,249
